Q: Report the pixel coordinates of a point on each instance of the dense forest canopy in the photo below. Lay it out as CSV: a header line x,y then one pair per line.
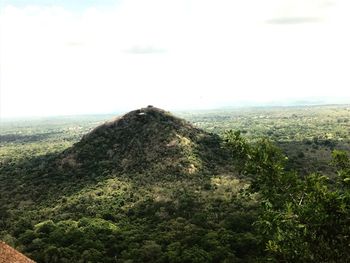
x,y
247,185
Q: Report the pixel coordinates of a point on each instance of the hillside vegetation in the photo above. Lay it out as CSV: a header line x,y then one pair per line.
x,y
151,187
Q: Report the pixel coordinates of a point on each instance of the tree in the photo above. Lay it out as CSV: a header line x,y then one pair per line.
x,y
302,219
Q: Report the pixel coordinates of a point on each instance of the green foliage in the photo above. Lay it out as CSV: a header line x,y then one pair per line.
x,y
303,218
124,193
307,135
88,239
139,199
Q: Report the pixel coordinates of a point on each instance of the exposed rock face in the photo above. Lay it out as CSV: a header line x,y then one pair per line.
x,y
11,255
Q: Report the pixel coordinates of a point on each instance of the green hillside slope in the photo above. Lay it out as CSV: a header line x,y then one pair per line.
x,y
146,187
151,187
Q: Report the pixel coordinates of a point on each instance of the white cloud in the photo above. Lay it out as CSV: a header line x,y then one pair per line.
x,y
175,54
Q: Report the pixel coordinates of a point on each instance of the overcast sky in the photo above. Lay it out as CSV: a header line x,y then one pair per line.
x,y
104,56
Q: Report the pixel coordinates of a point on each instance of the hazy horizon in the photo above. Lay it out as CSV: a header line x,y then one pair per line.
x,y
100,57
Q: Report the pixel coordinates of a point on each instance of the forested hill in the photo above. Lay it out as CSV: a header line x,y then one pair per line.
x,y
145,187
146,140
150,187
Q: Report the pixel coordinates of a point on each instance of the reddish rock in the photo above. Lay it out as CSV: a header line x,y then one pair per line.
x,y
11,255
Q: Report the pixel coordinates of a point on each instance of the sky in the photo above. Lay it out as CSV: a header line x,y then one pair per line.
x,y
68,57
